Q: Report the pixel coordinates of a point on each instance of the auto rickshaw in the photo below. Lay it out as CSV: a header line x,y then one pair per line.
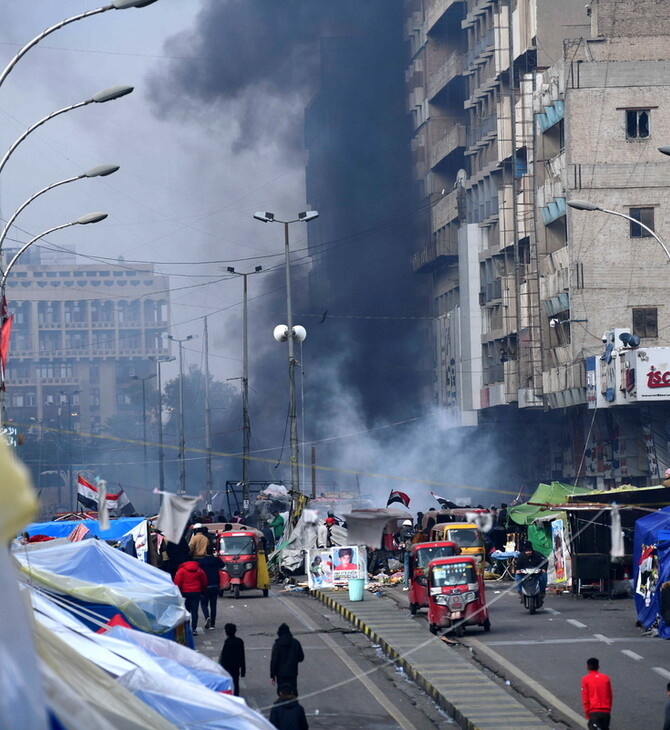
x,y
419,556
243,561
466,535
456,597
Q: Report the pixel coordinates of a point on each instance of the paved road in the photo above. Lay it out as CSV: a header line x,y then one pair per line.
x,y
550,650
344,681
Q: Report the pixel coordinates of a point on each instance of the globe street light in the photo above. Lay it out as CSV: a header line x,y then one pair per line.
x,y
115,5
246,425
587,206
100,171
289,333
182,443
113,92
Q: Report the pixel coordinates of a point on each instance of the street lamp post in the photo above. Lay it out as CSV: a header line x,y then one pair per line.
x,y
115,5
289,333
143,380
182,444
246,424
586,206
114,92
161,455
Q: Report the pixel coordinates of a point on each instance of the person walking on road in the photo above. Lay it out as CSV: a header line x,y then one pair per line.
x,y
211,565
287,713
596,696
197,545
277,525
192,582
232,656
666,724
287,653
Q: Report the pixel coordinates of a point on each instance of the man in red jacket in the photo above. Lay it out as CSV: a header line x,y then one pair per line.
x,y
192,582
596,696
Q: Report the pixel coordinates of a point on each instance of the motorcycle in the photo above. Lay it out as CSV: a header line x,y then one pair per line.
x,y
531,591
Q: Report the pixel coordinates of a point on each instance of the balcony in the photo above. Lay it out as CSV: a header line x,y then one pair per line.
x,y
449,70
448,208
436,10
450,141
477,132
483,46
435,254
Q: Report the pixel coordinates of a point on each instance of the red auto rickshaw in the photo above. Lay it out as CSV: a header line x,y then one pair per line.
x,y
419,556
243,562
456,596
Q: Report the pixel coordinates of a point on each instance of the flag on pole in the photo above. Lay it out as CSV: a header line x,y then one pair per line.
x,y
89,496
395,496
87,493
444,503
121,503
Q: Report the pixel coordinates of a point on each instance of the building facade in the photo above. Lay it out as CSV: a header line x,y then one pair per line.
x,y
518,107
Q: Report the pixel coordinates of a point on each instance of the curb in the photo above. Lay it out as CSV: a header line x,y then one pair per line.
x,y
414,674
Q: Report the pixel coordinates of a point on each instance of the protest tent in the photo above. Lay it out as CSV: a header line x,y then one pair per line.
x,y
102,582
651,563
64,528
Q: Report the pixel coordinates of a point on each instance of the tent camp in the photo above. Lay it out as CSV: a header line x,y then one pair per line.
x,y
100,581
651,561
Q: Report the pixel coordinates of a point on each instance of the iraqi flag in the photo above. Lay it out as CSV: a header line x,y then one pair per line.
x,y
87,493
120,503
398,497
444,503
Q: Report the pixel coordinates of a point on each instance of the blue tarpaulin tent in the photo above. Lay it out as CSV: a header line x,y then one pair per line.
x,y
63,528
651,560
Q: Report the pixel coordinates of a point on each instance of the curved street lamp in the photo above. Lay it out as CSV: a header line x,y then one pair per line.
x,y
289,333
100,171
115,5
585,205
113,92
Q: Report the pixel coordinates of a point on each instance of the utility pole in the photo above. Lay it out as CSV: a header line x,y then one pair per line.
x,y
208,425
143,380
246,423
161,453
182,443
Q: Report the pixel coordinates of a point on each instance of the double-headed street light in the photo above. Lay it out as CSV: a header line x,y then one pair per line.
x,y
115,5
289,333
246,424
161,457
587,206
182,442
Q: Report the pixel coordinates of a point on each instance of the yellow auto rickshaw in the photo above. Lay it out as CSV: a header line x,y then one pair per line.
x,y
466,535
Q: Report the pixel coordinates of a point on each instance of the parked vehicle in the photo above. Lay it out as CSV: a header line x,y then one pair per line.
x,y
531,591
419,557
466,535
243,561
456,596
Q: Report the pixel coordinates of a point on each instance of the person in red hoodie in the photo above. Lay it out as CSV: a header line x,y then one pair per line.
x,y
596,696
191,580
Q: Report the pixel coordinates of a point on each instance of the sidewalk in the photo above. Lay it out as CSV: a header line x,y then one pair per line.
x,y
466,693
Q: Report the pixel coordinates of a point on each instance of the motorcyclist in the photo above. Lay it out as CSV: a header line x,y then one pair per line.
x,y
530,558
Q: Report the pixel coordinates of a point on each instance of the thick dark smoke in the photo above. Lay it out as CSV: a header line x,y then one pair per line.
x,y
368,350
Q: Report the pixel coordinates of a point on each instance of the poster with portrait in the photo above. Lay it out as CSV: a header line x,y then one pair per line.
x,y
559,552
345,564
320,568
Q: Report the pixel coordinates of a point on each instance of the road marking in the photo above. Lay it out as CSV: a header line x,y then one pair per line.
x,y
388,707
632,654
542,692
603,638
576,623
663,672
553,611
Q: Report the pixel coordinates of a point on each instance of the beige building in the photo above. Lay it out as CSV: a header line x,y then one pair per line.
x,y
519,106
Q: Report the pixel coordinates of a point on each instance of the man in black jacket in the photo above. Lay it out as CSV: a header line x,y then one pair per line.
x,y
232,656
287,713
286,655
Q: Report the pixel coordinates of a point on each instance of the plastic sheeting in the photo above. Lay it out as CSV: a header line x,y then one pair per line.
x,y
554,493
92,571
194,707
63,528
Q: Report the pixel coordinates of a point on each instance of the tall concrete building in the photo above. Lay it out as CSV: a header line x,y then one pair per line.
x,y
80,333
519,106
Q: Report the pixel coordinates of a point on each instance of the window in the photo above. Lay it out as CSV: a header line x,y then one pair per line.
x,y
637,123
646,217
645,322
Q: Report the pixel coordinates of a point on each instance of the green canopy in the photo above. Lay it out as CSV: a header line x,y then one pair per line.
x,y
554,493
